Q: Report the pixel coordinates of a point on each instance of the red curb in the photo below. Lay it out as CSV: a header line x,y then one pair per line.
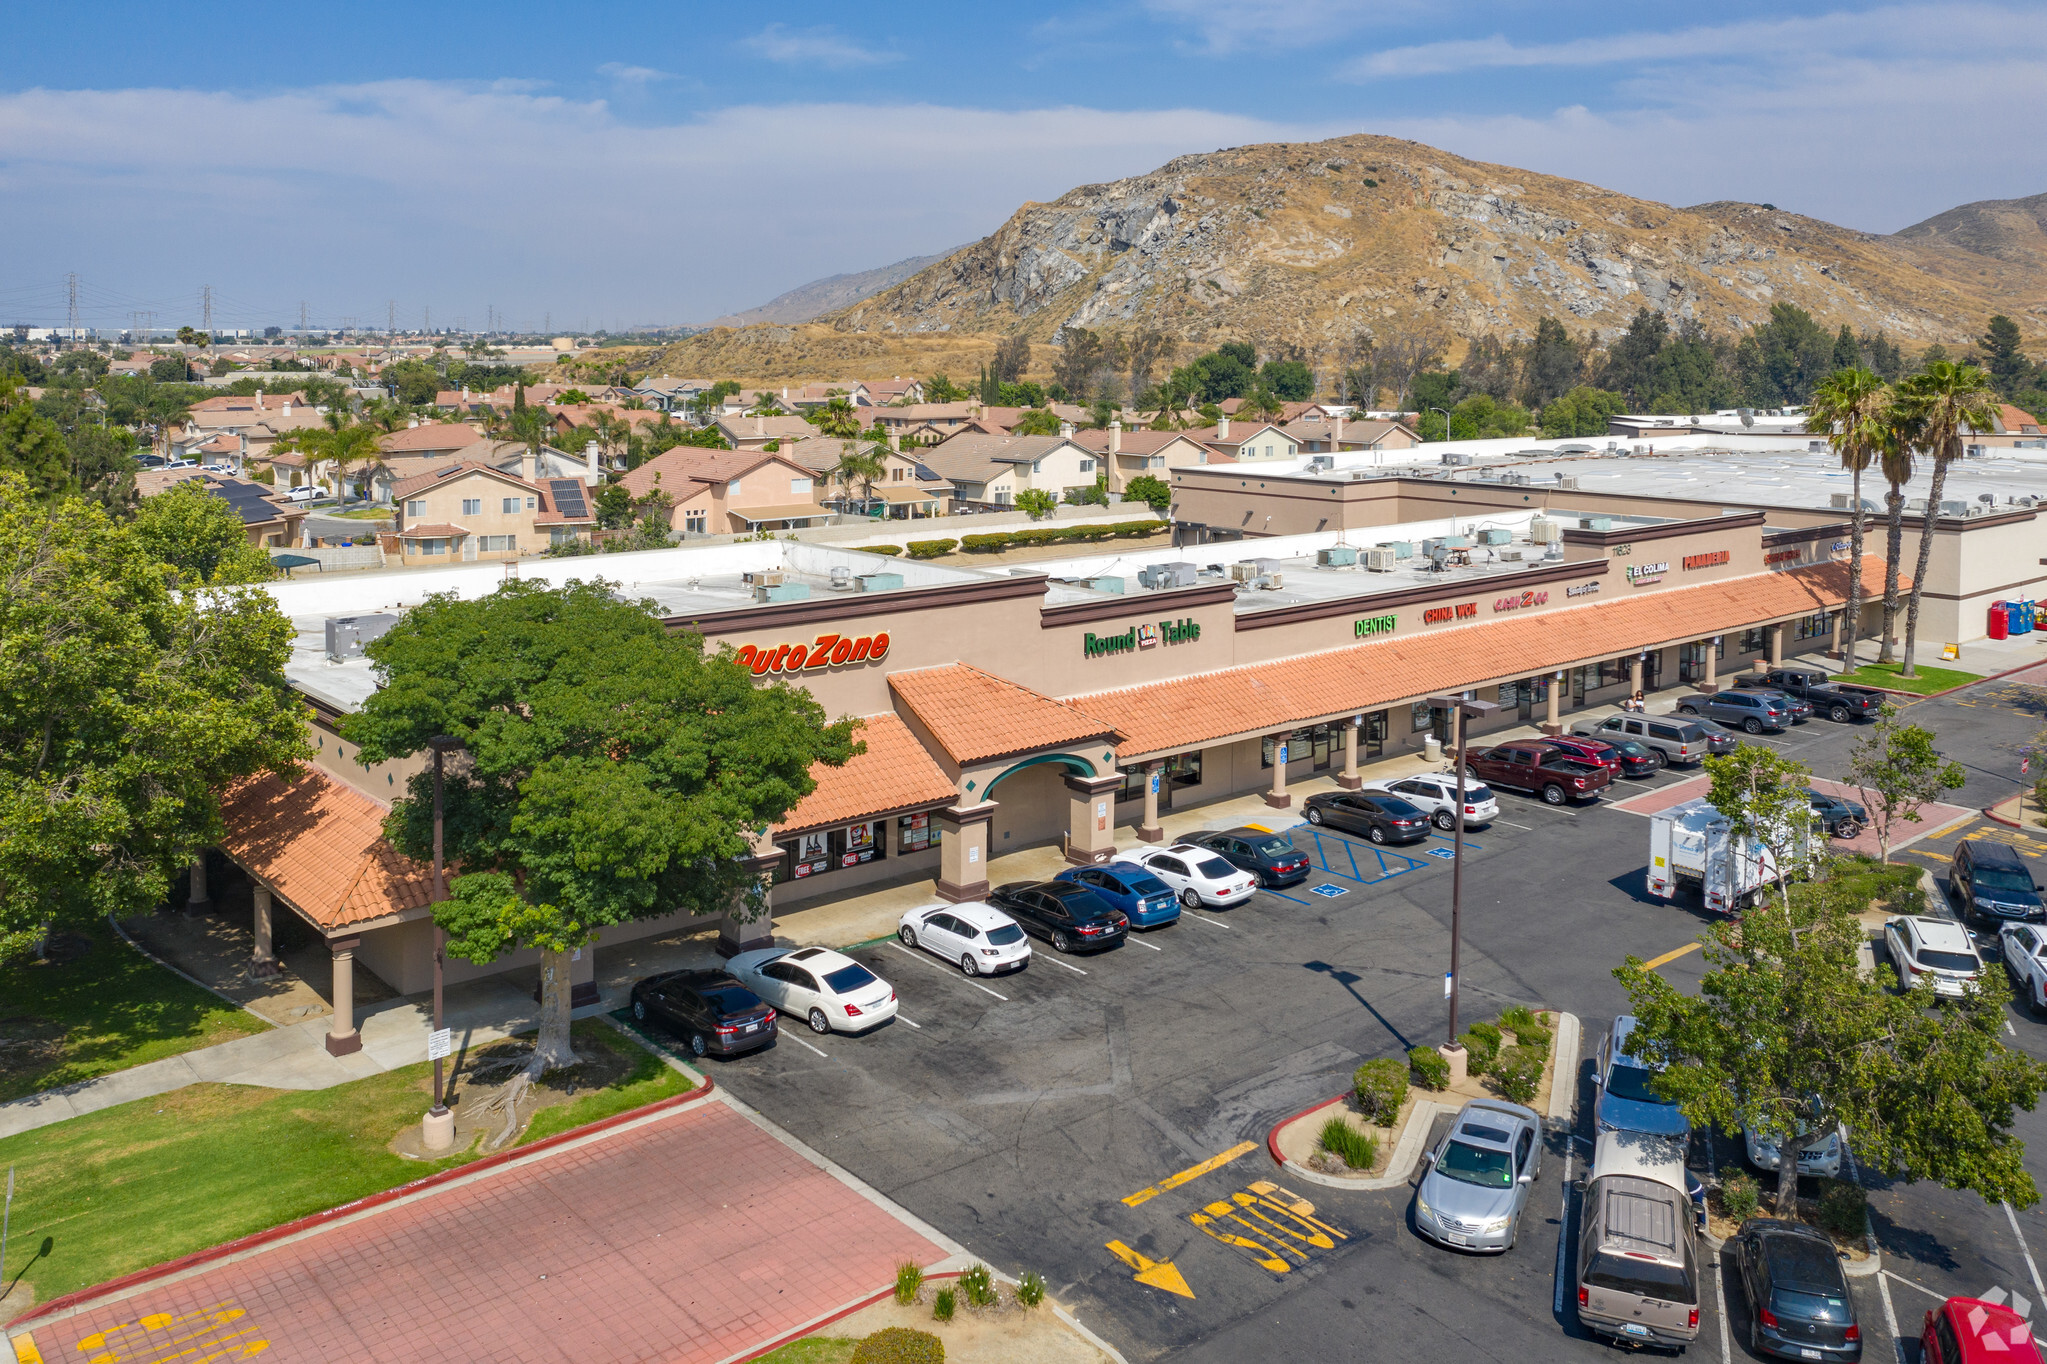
x,y
312,1220
802,1331
1991,814
1272,1137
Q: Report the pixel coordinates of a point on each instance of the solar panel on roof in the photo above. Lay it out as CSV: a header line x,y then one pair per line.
x,y
568,496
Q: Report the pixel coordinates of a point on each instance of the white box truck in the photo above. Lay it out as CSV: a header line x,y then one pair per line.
x,y
1694,844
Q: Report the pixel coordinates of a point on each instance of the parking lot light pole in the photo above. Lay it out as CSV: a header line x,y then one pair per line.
x,y
441,1121
1462,710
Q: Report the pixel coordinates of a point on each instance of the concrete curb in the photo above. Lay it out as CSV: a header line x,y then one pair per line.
x,y
1990,813
1930,695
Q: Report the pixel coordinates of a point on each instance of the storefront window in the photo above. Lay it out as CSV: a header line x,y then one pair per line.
x,y
814,854
1811,627
914,833
1375,732
1422,715
1754,641
1613,672
1182,769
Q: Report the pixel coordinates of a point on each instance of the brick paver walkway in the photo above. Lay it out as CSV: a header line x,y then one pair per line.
x,y
694,1237
1934,815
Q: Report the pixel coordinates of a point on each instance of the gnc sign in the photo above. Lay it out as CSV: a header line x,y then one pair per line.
x,y
826,651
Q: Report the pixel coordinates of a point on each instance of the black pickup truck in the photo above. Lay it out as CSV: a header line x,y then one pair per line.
x,y
1839,701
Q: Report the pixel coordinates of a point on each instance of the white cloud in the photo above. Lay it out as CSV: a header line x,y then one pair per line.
x,y
634,75
823,46
1224,26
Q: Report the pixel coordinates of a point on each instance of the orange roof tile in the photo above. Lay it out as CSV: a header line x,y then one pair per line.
x,y
431,436
976,715
1189,712
895,773
319,843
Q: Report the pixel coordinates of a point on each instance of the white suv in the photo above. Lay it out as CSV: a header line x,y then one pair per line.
x,y
979,939
1437,793
1198,875
1939,948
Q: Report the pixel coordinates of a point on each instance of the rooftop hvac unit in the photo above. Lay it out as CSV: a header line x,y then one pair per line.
x,y
1517,480
1431,545
1841,502
1175,575
1439,555
763,578
1105,584
1544,531
1510,556
1595,523
1915,504
347,635
1455,457
1568,481
1269,582
781,591
1953,508
1379,560
842,578
1457,541
1243,572
1336,556
1321,464
1402,549
878,582
1266,566
1496,537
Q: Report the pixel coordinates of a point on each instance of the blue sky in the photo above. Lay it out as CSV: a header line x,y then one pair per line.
x,y
643,163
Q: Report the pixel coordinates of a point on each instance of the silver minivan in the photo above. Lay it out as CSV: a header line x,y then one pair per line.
x,y
1638,1254
1679,741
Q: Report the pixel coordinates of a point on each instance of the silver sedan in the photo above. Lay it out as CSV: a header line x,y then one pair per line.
x,y
1479,1177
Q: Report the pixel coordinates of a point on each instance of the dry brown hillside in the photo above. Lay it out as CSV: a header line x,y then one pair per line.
x,y
777,355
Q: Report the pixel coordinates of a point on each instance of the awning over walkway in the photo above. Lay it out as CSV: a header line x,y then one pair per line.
x,y
976,716
319,843
1190,712
894,774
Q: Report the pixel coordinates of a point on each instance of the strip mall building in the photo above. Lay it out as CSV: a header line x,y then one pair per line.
x,y
1073,703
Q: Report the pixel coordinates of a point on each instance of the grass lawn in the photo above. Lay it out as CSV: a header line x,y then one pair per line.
x,y
101,1006
1928,679
125,1188
814,1350
362,514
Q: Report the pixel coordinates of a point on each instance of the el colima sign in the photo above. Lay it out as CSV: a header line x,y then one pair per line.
x,y
826,651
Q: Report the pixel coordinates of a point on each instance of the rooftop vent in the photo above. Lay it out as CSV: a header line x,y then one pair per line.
x,y
348,635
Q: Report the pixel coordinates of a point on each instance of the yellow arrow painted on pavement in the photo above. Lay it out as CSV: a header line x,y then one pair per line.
x,y
1152,1273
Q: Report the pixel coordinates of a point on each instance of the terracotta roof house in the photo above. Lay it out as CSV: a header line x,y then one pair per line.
x,y
751,433
882,392
1126,454
2014,428
464,511
1243,442
1320,436
992,470
430,438
727,492
269,522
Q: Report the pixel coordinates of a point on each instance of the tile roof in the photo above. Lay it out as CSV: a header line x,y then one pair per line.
x,y
737,429
895,773
693,463
1189,712
977,458
431,436
445,471
2017,421
1133,442
319,843
975,715
437,530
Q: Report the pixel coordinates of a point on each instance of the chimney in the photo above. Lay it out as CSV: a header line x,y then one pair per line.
x,y
465,393
760,425
596,469
1066,430
1336,432
1222,428
287,404
411,422
1115,436
259,397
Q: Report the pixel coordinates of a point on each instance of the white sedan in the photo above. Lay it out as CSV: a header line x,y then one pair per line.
x,y
978,938
1198,876
1436,792
1821,1156
2025,961
826,989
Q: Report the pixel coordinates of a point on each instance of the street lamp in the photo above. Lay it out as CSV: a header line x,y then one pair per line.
x,y
439,1128
1462,709
1446,421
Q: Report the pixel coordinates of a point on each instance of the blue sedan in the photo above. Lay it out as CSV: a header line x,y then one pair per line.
x,y
1144,899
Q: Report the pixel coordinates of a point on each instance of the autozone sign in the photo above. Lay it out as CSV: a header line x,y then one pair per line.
x,y
1517,602
826,651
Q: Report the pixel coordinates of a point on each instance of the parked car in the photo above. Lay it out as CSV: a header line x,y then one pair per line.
x,y
1478,1178
2025,961
1436,794
1972,1331
1801,709
1638,1250
1606,755
1144,899
1637,759
1072,918
1679,741
1267,856
1378,816
1939,949
980,939
1628,1100
1840,702
826,989
305,494
1839,816
1721,740
1198,876
710,1010
1990,883
1754,711
1799,1306
1820,1157
1532,765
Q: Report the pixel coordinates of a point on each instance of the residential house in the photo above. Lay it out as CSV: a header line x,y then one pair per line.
x,y
1288,411
507,456
1316,435
430,438
1126,454
269,523
992,470
669,395
260,419
751,433
942,420
1245,442
567,417
730,492
883,392
908,487
465,511
2012,428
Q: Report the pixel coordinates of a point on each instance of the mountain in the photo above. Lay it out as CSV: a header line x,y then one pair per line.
x,y
1303,245
828,294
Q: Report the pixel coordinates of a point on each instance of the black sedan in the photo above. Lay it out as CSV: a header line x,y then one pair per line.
x,y
1840,818
1267,856
1070,917
1376,815
1720,740
1637,760
710,1010
1798,1302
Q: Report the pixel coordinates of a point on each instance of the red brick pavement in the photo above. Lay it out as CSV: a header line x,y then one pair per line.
x,y
693,1237
1933,816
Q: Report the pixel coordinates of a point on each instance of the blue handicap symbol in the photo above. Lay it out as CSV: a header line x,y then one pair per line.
x,y
1331,891
1441,852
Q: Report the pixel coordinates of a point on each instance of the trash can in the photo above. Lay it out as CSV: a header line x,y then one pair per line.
x,y
2000,619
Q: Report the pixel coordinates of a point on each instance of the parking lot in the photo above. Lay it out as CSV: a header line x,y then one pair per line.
x,y
1102,1118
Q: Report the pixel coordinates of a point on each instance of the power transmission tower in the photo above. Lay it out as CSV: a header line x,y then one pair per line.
x,y
206,313
71,300
302,314
391,321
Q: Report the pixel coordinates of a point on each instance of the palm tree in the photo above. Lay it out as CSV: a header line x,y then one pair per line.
x,y
1851,407
1894,458
1939,405
836,418
765,404
864,467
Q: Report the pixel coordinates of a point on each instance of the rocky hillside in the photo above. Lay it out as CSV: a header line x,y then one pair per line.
x,y
828,294
1306,244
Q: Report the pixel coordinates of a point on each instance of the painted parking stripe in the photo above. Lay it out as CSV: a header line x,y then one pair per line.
x,y
1284,896
1056,962
1205,919
1192,1172
1670,956
1512,825
1142,943
936,967
801,1043
900,1018
2025,1249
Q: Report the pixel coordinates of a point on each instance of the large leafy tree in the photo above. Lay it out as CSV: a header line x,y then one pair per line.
x,y
199,537
1936,408
1851,407
127,703
1900,772
612,771
1784,359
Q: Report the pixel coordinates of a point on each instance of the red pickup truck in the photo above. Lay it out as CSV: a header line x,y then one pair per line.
x,y
1532,765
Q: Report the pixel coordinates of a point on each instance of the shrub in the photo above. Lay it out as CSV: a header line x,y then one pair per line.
x,y
986,544
978,1285
1482,1040
1381,1086
1036,503
883,549
1518,1073
1738,1197
1429,1067
1354,1148
1030,1289
900,1345
943,1306
1843,1208
931,549
909,1279
1527,1028
1139,528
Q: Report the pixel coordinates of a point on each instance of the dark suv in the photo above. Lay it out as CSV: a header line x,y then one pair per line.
x,y
1267,856
1532,765
1992,884
1754,711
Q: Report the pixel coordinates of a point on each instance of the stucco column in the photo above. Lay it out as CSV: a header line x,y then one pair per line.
x,y
1777,641
1552,718
198,902
1277,797
1712,651
1091,818
963,851
342,1038
1150,831
1349,779
1634,674
264,962
748,921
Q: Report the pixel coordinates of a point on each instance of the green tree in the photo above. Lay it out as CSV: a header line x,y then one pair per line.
x,y
1081,354
614,502
103,465
1899,773
1291,380
1036,503
342,445
939,389
1553,366
1847,355
765,404
1039,421
1851,406
1012,358
413,382
611,771
199,537
1762,794
859,467
1787,1038
126,707
1581,412
2009,368
1151,490
835,418
1691,373
1630,365
33,449
1937,407
1882,355
1784,359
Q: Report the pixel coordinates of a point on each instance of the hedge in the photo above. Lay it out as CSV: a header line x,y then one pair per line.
x,y
995,541
931,549
1518,1072
1430,1068
882,549
901,1345
1381,1088
1482,1041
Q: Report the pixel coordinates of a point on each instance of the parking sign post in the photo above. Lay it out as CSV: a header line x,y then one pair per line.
x,y
1461,711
